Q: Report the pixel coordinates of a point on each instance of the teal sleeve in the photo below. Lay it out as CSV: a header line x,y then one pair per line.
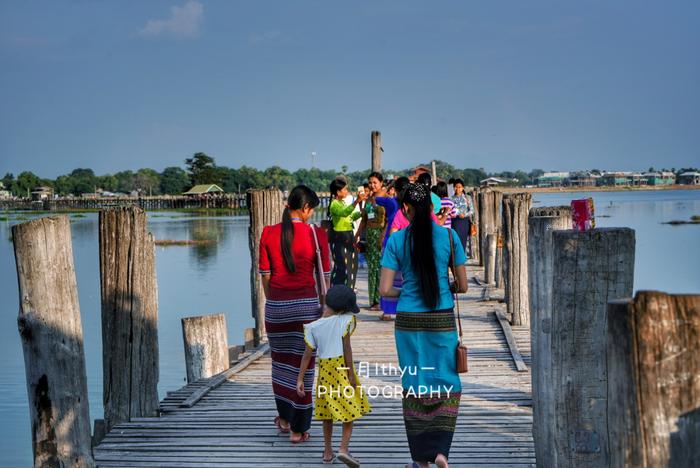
x,y
389,259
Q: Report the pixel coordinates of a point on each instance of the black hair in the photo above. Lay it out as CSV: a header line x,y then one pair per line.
x,y
456,181
337,185
419,234
300,196
440,189
425,178
376,175
365,185
400,185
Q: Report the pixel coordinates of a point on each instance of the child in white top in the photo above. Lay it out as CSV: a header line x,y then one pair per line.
x,y
339,395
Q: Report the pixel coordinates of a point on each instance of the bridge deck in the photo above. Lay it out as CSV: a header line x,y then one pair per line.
x,y
232,425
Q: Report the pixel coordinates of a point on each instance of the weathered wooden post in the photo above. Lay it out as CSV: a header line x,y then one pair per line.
x,y
590,269
498,267
376,139
265,208
516,207
248,339
489,206
129,292
540,279
653,355
475,251
206,346
52,341
490,259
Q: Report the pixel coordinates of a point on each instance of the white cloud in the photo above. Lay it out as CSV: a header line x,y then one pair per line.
x,y
183,22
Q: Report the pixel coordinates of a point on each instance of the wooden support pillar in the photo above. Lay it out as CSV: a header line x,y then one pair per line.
x,y
129,293
490,259
591,268
265,208
498,267
474,250
206,346
52,340
540,279
489,205
248,339
516,207
376,151
653,353
564,211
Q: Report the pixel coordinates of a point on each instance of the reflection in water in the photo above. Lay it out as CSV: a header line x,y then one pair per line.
x,y
206,229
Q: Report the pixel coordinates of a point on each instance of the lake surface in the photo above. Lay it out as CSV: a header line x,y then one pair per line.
x,y
215,278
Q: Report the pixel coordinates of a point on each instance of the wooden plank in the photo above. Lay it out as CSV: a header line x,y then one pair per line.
x,y
510,339
215,381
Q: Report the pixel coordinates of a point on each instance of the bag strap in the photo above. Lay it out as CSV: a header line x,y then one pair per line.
x,y
319,267
454,273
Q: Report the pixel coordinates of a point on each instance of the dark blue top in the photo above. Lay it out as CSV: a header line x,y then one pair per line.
x,y
391,206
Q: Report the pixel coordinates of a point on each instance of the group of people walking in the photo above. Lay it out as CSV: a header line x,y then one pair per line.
x,y
310,310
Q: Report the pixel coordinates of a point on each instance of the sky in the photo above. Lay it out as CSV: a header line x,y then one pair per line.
x,y
500,85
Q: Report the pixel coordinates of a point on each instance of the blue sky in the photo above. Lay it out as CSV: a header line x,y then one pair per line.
x,y
500,85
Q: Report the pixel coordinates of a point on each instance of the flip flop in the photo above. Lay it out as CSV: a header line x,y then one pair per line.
x,y
304,437
283,430
328,461
348,460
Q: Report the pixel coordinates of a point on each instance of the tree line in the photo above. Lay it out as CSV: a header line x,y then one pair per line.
x,y
202,169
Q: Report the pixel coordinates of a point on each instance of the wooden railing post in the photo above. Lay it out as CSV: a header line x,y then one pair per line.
x,y
653,353
376,151
489,206
540,279
516,207
129,293
590,269
490,259
52,340
264,208
206,346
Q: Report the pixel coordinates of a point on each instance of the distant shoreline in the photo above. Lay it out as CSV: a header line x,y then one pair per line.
x,y
598,189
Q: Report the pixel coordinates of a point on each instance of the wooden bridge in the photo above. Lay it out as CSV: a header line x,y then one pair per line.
x,y
232,424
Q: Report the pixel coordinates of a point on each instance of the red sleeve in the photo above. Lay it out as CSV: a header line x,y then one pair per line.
x,y
325,252
264,260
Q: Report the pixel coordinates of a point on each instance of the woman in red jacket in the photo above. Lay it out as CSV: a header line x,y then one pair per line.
x,y
287,266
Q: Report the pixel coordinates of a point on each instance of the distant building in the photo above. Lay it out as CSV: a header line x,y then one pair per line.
x,y
581,179
492,182
689,178
418,170
204,188
4,193
636,179
552,179
613,179
42,193
660,178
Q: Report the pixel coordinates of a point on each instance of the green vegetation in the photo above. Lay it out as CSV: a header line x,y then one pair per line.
x,y
201,169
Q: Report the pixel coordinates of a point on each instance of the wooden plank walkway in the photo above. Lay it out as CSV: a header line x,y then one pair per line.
x,y
232,425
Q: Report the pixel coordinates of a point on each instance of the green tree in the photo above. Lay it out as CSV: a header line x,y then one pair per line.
x,y
174,181
83,181
147,181
107,182
8,180
125,181
25,183
275,176
202,169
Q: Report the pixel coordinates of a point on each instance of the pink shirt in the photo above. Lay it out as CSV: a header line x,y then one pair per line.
x,y
401,222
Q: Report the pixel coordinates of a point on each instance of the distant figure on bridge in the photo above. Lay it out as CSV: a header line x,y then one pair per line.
x,y
425,330
287,263
464,208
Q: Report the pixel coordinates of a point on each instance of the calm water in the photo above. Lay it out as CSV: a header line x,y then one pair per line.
x,y
214,278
